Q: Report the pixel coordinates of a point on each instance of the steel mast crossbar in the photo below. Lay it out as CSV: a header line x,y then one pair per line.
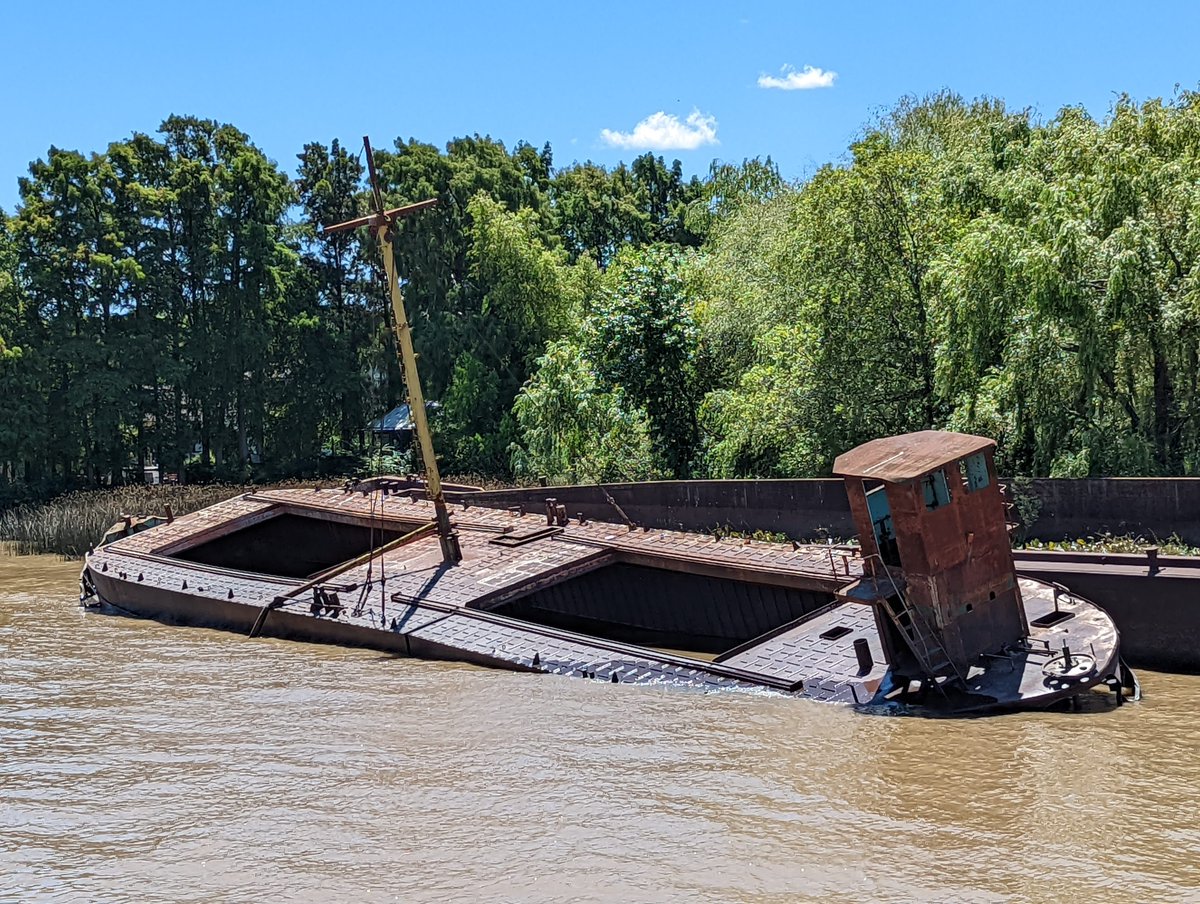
x,y
382,222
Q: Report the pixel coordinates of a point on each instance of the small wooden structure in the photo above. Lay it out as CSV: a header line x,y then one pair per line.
x,y
938,562
396,426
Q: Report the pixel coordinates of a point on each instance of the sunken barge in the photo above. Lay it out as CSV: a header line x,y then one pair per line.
x,y
926,614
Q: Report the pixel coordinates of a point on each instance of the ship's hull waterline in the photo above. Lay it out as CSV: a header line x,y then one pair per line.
x,y
595,600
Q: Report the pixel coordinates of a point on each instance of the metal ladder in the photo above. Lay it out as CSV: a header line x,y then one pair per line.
x,y
922,638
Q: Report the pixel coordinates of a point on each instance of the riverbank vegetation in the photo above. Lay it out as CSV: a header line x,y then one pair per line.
x,y
965,266
1114,543
72,523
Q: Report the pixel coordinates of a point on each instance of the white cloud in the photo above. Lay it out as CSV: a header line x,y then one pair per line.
x,y
791,80
664,132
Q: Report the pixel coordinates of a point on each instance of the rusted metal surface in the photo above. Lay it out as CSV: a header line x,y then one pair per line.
x,y
801,652
951,556
424,605
899,458
808,566
190,530
384,216
406,598
1025,671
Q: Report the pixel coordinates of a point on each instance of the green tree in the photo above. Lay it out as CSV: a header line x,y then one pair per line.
x,y
336,333
18,433
842,265
1072,308
531,295
601,211
598,211
642,336
572,430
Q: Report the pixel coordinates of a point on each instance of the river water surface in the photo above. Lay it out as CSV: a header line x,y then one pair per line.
x,y
140,762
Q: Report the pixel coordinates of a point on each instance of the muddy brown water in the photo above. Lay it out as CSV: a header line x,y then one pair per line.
x,y
140,762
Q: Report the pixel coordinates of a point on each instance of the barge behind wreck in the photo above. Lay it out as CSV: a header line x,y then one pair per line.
x,y
928,612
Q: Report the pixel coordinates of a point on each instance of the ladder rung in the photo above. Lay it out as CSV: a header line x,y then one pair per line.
x,y
930,653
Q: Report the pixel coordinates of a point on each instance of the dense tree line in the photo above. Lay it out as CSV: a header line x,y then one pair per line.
x,y
174,299
973,269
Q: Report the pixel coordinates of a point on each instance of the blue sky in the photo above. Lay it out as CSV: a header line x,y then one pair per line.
x,y
599,81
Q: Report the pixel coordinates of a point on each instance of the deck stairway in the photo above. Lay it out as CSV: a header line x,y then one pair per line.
x,y
923,641
886,591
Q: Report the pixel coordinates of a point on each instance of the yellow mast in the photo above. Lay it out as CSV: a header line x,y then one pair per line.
x,y
381,223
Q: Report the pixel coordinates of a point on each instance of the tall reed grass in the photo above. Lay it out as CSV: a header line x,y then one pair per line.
x,y
68,525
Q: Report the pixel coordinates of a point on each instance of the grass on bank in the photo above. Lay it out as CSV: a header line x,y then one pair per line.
x,y
68,525
1115,543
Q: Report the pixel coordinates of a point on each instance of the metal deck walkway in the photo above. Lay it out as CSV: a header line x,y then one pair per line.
x,y
407,599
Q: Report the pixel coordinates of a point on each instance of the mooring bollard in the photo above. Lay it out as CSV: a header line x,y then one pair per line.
x,y
862,650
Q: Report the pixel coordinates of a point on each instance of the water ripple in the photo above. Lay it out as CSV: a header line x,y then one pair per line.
x,y
156,764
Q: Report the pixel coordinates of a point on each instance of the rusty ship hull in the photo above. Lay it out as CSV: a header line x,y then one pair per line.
x,y
602,601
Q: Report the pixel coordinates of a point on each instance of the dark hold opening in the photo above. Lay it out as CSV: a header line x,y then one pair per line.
x,y
991,594
971,606
835,632
292,546
1052,618
666,609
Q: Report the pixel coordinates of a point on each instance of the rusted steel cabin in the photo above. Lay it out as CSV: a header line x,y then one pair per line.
x,y
928,613
932,528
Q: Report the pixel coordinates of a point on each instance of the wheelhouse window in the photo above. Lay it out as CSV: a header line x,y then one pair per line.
x,y
937,491
977,472
881,523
